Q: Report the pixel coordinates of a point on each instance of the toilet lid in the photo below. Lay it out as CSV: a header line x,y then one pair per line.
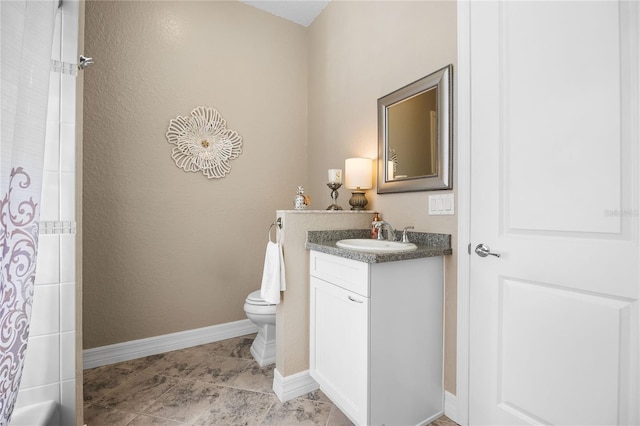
x,y
255,299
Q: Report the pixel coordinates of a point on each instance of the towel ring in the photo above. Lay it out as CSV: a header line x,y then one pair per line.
x,y
277,223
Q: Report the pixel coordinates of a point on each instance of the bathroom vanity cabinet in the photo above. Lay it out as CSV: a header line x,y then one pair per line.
x,y
376,338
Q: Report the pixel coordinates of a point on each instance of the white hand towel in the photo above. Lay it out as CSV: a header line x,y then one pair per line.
x,y
273,279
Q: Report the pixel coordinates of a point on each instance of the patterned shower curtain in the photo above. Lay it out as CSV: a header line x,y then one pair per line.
x,y
26,35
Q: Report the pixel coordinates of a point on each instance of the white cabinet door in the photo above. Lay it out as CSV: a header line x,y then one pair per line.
x,y
339,344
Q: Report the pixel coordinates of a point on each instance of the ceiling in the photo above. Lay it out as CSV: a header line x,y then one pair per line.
x,y
302,12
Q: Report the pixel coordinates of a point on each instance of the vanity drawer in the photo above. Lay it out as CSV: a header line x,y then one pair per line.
x,y
346,273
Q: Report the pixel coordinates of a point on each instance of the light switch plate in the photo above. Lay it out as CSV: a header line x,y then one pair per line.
x,y
441,204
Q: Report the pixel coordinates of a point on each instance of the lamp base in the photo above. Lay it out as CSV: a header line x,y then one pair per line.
x,y
358,201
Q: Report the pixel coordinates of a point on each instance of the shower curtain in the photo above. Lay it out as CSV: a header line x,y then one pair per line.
x,y
26,35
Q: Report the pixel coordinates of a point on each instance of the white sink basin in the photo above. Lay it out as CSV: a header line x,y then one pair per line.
x,y
375,246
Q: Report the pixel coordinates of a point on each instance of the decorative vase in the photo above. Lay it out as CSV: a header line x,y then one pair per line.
x,y
301,201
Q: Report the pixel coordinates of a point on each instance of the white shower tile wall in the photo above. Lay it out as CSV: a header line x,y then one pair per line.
x,y
49,372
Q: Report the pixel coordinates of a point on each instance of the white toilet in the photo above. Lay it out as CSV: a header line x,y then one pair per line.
x,y
263,315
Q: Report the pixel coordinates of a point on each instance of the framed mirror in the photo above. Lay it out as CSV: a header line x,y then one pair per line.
x,y
415,137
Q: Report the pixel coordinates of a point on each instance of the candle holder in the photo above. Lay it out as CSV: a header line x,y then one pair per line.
x,y
334,196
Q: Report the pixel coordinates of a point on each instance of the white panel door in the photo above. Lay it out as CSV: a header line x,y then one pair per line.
x,y
554,191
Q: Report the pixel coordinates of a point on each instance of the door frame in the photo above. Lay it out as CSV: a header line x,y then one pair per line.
x,y
462,135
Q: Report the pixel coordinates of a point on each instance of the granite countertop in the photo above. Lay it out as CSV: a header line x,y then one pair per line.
x,y
429,245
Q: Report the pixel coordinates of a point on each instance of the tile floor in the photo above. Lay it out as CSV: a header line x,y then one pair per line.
x,y
213,384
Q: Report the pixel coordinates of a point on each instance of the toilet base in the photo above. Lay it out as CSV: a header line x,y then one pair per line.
x,y
263,348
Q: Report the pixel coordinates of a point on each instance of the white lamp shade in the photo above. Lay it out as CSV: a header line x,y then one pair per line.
x,y
358,173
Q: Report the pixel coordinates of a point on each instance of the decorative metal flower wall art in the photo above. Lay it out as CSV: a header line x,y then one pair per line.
x,y
203,143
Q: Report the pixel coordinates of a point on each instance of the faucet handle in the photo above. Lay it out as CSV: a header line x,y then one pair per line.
x,y
378,224
405,237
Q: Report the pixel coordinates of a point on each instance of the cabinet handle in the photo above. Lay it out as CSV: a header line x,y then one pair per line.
x,y
355,300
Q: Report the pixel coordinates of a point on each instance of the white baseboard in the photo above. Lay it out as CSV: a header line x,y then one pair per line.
x,y
451,406
125,351
293,386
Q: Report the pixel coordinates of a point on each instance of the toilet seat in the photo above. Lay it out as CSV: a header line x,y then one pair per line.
x,y
255,299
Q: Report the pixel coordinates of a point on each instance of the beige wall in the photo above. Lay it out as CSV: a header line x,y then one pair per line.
x,y
165,250
292,315
360,51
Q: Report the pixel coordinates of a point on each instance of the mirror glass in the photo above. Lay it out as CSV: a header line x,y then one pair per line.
x,y
414,136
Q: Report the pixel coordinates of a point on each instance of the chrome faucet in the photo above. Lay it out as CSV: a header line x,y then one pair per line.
x,y
405,237
379,225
